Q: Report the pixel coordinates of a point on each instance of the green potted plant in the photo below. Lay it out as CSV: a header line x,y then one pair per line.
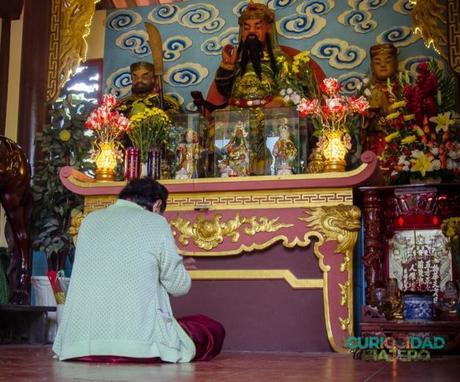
x,y
63,142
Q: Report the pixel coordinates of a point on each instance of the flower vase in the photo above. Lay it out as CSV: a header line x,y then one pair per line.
x,y
334,151
106,161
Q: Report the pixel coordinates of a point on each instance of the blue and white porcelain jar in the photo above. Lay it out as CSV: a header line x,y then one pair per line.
x,y
418,306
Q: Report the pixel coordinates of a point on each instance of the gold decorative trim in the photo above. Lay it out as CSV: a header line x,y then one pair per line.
x,y
453,27
209,233
70,22
96,202
262,199
342,224
258,274
429,20
344,292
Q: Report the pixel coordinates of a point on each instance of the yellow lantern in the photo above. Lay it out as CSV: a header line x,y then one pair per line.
x,y
106,162
335,151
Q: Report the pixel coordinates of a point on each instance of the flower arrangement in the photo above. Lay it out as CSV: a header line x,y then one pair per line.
x,y
334,111
107,123
298,81
422,127
149,128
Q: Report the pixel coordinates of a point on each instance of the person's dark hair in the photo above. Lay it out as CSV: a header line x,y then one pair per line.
x,y
145,192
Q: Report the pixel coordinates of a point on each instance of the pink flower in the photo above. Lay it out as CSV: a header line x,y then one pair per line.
x,y
308,107
330,86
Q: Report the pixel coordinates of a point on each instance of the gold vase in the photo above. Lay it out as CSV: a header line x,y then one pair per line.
x,y
335,151
106,162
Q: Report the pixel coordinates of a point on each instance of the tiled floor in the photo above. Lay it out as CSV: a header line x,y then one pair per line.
x,y
35,363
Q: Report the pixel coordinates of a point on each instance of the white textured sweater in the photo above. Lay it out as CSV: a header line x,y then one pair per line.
x,y
126,263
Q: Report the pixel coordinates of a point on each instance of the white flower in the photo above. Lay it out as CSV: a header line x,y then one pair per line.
x,y
295,98
452,154
283,92
402,160
286,98
365,80
367,93
289,91
435,151
436,163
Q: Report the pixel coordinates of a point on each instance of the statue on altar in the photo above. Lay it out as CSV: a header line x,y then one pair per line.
x,y
284,150
447,302
237,153
189,153
384,68
144,92
253,75
394,305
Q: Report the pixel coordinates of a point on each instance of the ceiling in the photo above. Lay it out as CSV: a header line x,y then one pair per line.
x,y
113,4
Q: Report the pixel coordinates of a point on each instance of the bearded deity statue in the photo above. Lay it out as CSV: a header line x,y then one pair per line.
x,y
251,76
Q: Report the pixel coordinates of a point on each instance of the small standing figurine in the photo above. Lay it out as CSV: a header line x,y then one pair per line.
x,y
284,150
384,67
189,153
237,151
447,303
394,307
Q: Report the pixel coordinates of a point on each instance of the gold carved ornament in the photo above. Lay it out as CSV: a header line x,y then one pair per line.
x,y
70,24
76,217
429,18
342,224
209,233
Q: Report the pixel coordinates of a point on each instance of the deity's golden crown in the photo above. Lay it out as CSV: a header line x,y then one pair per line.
x,y
383,48
257,11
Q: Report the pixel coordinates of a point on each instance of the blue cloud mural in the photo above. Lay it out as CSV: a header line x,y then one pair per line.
x,y
339,53
119,82
307,21
360,20
201,16
279,4
185,74
398,36
122,20
352,82
174,46
410,64
136,42
403,6
214,45
191,38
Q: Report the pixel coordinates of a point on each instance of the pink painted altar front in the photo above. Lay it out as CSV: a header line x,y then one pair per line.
x,y
274,253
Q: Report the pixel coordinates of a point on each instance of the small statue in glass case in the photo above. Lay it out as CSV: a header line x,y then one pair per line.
x,y
237,151
394,306
447,304
189,154
284,150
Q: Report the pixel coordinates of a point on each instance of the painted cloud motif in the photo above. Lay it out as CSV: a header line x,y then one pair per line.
x,y
214,45
399,36
119,82
201,16
124,19
174,46
186,74
136,42
339,53
307,22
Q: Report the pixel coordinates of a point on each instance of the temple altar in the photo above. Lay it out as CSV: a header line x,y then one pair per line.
x,y
274,253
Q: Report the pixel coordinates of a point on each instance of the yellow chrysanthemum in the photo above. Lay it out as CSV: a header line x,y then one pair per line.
x,y
409,139
391,136
65,135
422,164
